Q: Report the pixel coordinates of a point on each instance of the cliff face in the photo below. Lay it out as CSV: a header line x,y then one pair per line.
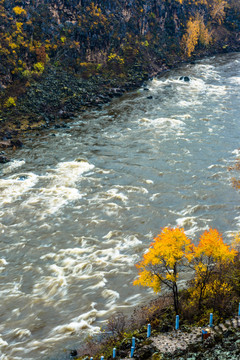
x,y
107,38
77,31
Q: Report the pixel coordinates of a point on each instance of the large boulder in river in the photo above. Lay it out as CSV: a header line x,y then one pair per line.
x,y
185,78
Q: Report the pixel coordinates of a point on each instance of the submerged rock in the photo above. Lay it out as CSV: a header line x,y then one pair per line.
x,y
3,159
73,353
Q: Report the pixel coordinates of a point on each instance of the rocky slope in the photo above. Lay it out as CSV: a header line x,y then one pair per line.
x,y
59,57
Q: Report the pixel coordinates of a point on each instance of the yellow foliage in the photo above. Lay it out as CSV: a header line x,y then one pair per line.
x,y
11,102
19,10
212,256
115,58
39,67
196,33
172,249
218,10
211,246
159,265
212,289
236,242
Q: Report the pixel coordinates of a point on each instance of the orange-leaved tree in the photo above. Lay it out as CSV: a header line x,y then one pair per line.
x,y
170,251
212,257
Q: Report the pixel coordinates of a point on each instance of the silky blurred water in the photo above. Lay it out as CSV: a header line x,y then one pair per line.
x,y
79,206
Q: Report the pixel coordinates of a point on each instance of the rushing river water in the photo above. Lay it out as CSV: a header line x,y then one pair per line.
x,y
79,206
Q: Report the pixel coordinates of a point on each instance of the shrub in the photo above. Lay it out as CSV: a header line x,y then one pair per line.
x,y
39,67
10,102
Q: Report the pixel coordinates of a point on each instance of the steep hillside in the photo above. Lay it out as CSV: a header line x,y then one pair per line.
x,y
127,40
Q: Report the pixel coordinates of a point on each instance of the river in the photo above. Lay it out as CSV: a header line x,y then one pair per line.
x,y
80,205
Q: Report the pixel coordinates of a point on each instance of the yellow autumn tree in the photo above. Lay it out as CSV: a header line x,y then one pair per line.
x,y
170,251
212,256
196,33
217,11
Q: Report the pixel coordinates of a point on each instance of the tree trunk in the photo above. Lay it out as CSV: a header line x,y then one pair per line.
x,y
176,299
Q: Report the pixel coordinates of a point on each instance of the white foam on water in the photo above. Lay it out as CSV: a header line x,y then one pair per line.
x,y
60,189
110,296
157,83
52,198
154,196
111,194
186,221
235,80
236,152
131,299
161,123
12,188
148,181
187,104
13,165
3,343
131,189
182,116
195,85
68,173
113,234
207,71
83,322
217,90
115,194
3,264
12,289
214,166
21,334
130,241
57,193
191,210
49,286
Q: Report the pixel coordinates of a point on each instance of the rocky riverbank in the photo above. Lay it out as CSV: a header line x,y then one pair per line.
x,y
59,59
222,343
60,95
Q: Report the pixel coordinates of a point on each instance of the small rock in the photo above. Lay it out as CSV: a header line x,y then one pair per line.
x,y
22,178
3,159
73,353
5,143
228,333
149,97
16,143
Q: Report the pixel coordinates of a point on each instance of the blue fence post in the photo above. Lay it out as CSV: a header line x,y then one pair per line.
x,y
114,353
238,318
133,342
132,351
211,320
149,330
177,322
